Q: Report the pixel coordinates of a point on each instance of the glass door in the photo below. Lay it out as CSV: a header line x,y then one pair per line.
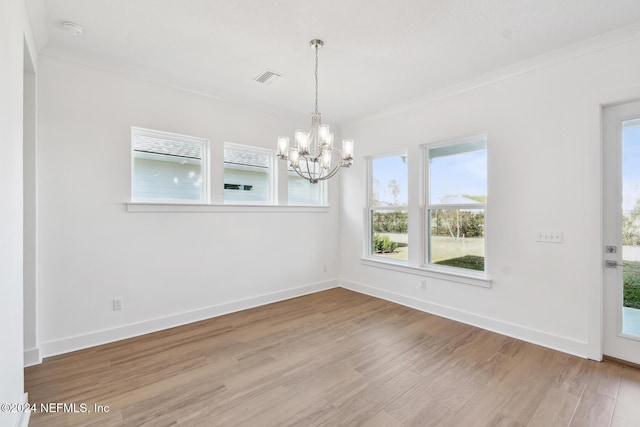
x,y
622,231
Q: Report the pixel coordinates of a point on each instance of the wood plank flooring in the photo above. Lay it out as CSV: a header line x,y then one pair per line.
x,y
334,358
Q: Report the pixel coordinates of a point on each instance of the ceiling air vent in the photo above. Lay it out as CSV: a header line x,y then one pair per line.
x,y
267,77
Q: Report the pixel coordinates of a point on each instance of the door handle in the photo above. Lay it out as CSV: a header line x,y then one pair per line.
x,y
612,264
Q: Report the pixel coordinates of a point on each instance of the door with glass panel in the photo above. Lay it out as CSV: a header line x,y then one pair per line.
x,y
622,232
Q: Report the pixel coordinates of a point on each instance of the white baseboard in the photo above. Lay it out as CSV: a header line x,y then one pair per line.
x,y
32,357
79,342
23,419
69,344
545,339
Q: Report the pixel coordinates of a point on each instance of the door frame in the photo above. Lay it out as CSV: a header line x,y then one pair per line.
x,y
594,182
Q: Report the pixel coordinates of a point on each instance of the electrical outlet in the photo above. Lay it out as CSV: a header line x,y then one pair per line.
x,y
549,236
324,268
117,304
423,284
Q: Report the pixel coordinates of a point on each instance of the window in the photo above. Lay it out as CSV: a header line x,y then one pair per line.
x,y
456,200
302,192
248,176
171,173
168,167
388,214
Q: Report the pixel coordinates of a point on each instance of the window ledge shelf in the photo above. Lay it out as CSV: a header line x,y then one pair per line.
x,y
482,281
201,207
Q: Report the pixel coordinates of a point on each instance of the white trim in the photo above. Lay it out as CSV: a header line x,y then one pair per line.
x,y
467,278
389,208
32,357
102,63
594,168
36,23
105,336
480,136
23,418
594,175
614,342
201,207
555,342
582,48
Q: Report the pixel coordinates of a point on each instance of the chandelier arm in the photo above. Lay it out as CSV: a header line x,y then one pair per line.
x,y
306,161
298,171
334,171
300,174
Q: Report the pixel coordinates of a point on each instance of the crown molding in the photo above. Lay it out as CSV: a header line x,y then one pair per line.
x,y
36,12
586,47
98,62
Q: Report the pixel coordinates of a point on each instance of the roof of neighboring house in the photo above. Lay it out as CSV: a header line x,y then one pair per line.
x,y
166,146
246,157
192,150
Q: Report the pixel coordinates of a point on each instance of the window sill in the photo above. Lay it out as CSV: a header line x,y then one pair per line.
x,y
472,279
201,207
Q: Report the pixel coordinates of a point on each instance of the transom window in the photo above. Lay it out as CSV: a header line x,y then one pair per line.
x,y
168,167
174,169
248,174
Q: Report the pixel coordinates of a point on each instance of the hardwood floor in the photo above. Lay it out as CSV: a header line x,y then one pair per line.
x,y
335,358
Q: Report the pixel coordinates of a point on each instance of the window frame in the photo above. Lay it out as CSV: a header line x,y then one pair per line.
x,y
205,193
426,207
272,198
370,208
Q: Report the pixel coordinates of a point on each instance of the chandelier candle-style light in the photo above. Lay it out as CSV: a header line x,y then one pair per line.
x,y
313,155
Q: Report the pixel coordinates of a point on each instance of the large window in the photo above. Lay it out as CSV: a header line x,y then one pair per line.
x,y
248,174
456,200
388,214
168,167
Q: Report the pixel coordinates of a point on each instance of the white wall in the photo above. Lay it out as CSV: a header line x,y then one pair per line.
x,y
544,166
168,267
14,29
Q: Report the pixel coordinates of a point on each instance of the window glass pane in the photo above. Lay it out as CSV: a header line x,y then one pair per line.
x,y
302,192
390,234
247,175
166,169
389,177
456,238
631,227
457,176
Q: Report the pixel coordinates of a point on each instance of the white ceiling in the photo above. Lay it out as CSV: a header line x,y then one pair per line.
x,y
378,53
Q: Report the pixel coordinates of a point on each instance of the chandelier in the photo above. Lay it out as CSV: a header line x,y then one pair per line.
x,y
312,154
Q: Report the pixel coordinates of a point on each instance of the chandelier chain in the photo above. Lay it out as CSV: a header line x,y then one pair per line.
x,y
316,49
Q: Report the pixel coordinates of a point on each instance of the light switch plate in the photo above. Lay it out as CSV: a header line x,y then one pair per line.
x,y
549,236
